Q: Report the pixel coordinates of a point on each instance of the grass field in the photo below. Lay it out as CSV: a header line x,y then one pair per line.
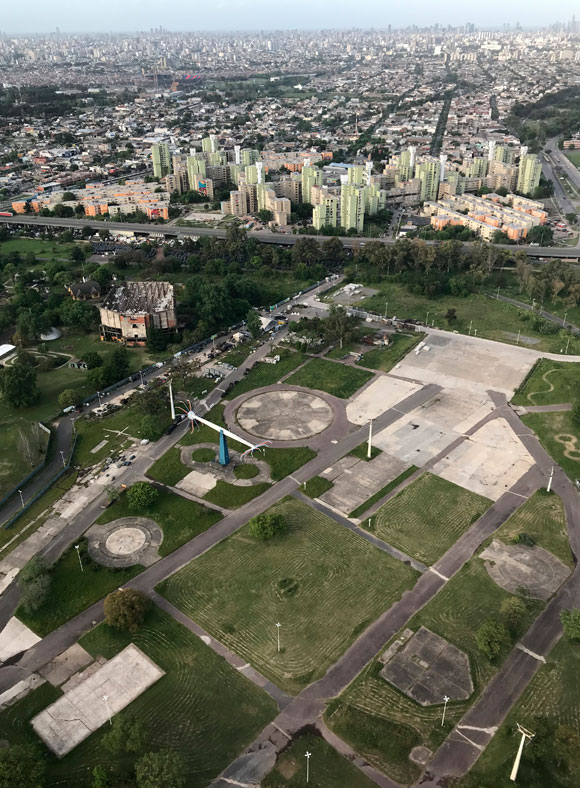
x,y
381,723
232,496
328,769
554,693
427,517
22,448
361,452
336,379
360,510
542,517
386,358
169,469
550,383
264,374
48,250
303,578
317,486
179,518
202,707
560,437
492,319
574,156
72,591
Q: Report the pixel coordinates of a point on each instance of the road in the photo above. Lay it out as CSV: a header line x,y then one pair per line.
x,y
263,236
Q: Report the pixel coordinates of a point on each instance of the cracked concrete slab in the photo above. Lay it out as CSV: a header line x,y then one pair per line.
x,y
14,638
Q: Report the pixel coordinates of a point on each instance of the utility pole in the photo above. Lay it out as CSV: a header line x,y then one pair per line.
x,y
549,488
525,735
370,445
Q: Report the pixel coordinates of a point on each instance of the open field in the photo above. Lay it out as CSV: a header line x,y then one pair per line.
x,y
328,769
574,156
302,578
22,448
232,496
386,358
427,517
179,518
202,708
336,379
490,318
544,519
552,697
47,250
550,383
381,723
560,437
73,590
263,374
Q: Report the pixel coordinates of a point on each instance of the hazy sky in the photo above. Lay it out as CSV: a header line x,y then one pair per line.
x,y
128,15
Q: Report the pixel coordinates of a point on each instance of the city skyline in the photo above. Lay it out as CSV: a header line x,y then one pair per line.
x,y
242,15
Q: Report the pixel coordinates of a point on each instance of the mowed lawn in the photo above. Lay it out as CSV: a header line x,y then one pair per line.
x,y
264,374
550,383
560,436
427,518
22,448
386,358
381,723
328,769
552,695
179,518
544,519
337,379
321,582
202,708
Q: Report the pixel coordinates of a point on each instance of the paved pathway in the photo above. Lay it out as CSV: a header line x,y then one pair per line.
x,y
546,408
529,308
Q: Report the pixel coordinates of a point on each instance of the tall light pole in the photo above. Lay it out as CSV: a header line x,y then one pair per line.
x,y
445,701
307,756
370,446
565,316
525,735
470,326
519,332
106,699
550,481
171,402
62,458
278,633
21,498
77,548
386,307
427,319
567,345
100,401
141,373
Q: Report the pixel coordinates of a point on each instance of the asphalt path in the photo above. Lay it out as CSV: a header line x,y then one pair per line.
x,y
263,236
559,321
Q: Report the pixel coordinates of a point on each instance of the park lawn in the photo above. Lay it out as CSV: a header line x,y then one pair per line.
x,y
386,358
360,510
574,156
232,496
381,723
317,486
334,378
51,250
179,518
36,515
22,448
361,452
560,436
72,591
549,383
264,374
427,517
202,708
554,694
169,469
490,318
542,517
246,471
328,769
236,591
340,352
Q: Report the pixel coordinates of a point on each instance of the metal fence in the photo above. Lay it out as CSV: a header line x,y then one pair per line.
x,y
32,473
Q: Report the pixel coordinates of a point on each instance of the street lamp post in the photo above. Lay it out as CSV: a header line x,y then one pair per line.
x,y
565,316
549,488
445,701
106,699
307,756
519,333
77,548
21,498
470,326
427,319
525,735
62,458
370,446
386,308
278,633
100,401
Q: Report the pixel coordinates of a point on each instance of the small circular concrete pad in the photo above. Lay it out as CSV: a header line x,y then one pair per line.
x,y
520,569
125,542
284,415
420,755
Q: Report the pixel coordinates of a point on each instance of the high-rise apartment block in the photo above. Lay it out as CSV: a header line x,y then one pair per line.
x,y
311,176
428,172
161,157
529,172
352,207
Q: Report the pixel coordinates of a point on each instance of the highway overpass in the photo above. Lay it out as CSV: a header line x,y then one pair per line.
x,y
263,236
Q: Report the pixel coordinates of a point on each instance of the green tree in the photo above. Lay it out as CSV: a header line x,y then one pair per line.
x,y
34,582
451,315
21,766
125,735
92,359
141,496
306,251
18,386
151,428
68,397
541,235
126,609
265,526
491,637
163,769
264,215
513,611
77,254
253,323
100,777
338,326
571,623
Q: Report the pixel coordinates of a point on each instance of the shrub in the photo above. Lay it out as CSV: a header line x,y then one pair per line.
x,y
265,526
34,581
126,608
491,637
526,539
141,496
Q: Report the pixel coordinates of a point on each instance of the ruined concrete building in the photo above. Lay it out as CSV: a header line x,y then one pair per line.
x,y
131,309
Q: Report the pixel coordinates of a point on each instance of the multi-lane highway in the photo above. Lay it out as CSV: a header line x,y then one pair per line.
x,y
263,236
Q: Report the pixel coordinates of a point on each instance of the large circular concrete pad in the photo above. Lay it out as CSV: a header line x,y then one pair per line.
x,y
125,541
284,415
